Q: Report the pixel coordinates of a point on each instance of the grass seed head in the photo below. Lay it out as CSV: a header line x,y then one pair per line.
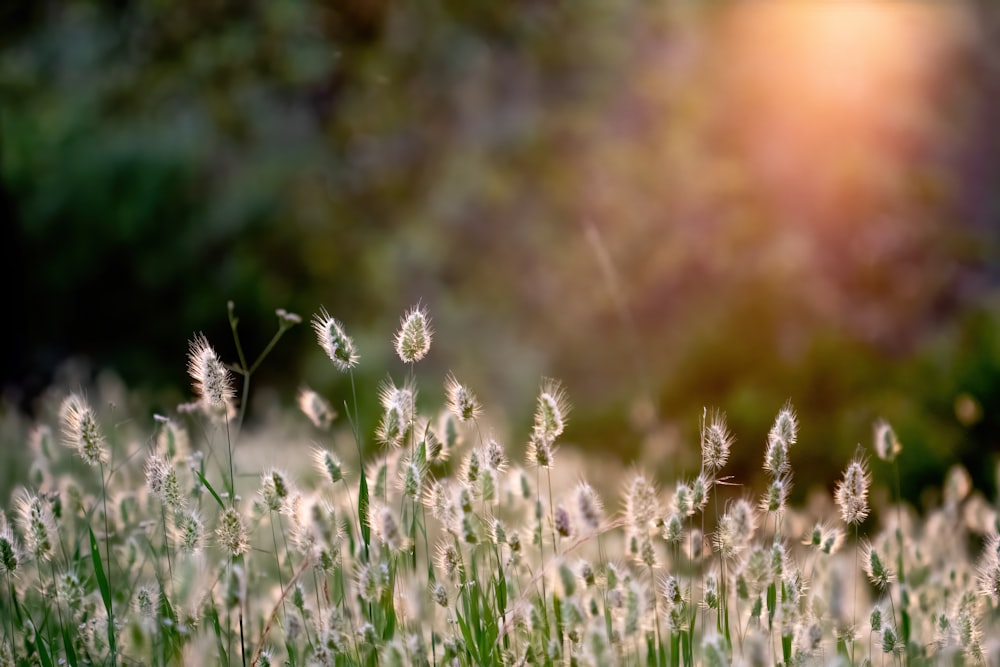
x,y
212,381
339,347
413,340
316,408
462,402
716,440
80,430
852,492
887,446
232,533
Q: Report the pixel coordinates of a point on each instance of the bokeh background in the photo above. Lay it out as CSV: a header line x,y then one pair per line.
x,y
666,205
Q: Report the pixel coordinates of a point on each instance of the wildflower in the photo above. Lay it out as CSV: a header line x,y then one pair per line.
x,y
337,344
286,318
37,525
316,408
887,446
328,464
212,381
716,440
462,403
232,533
852,492
413,340
80,430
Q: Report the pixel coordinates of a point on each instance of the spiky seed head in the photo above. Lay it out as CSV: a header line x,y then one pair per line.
x,y
231,532
540,453
988,580
493,455
386,527
641,503
890,642
328,464
852,492
786,427
439,594
38,526
875,567
156,473
147,601
682,499
10,552
462,402
338,345
274,489
716,440
563,524
189,531
212,381
448,560
173,497
80,430
588,506
776,497
887,445
316,408
699,492
413,340
551,411
673,529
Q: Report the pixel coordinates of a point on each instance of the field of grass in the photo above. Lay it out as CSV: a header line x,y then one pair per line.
x,y
431,542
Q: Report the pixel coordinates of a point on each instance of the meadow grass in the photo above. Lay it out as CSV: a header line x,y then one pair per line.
x,y
428,542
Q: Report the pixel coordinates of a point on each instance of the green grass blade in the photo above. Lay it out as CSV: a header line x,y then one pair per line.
x,y
102,582
43,653
210,489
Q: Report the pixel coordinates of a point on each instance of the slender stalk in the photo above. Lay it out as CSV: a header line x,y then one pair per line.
x,y
107,549
13,603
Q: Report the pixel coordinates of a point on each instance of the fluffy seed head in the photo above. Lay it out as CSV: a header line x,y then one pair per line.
x,y
212,381
641,503
189,531
776,496
413,340
316,408
878,573
80,430
337,344
385,526
461,401
540,452
231,532
37,525
786,427
588,506
716,440
328,464
10,552
274,489
551,411
852,492
887,446
156,473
